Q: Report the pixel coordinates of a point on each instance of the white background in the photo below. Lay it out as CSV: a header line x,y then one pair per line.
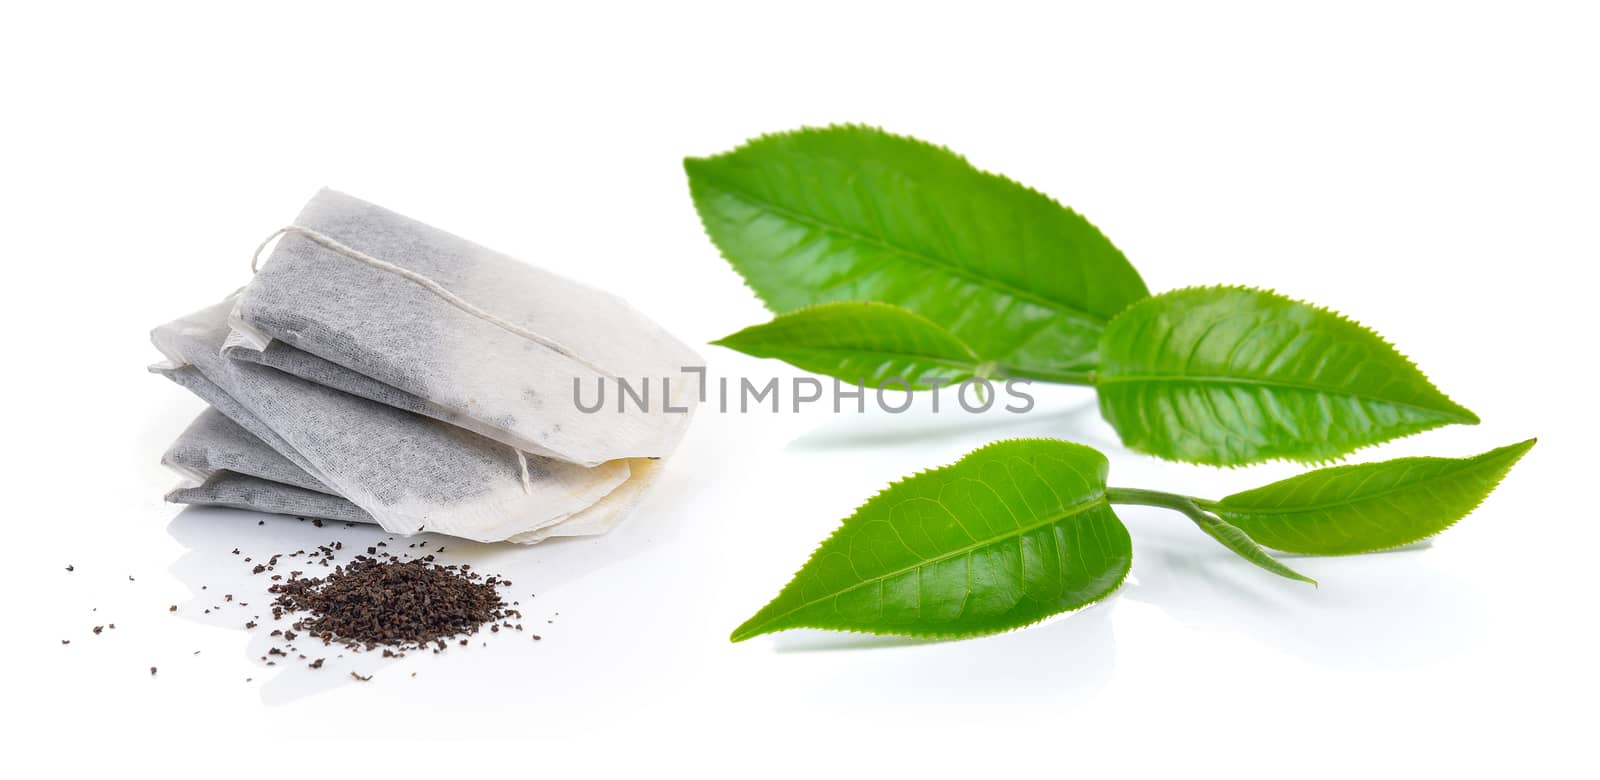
x,y
1430,171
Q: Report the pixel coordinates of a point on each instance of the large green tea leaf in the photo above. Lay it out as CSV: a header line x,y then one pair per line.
x,y
850,213
870,343
1228,376
1010,534
1367,507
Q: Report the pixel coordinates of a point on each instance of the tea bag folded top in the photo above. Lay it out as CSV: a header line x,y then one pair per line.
x,y
315,311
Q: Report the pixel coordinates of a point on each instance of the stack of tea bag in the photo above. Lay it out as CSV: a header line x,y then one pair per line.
x,y
376,369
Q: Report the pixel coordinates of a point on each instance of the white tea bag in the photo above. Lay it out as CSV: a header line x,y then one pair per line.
x,y
411,473
240,491
214,443
307,366
606,513
226,465
493,345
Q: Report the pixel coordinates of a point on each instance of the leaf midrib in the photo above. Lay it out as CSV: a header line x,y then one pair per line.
x,y
982,281
1099,500
849,352
1337,503
1103,379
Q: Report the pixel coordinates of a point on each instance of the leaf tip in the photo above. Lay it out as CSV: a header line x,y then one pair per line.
x,y
1512,453
1295,575
739,342
746,630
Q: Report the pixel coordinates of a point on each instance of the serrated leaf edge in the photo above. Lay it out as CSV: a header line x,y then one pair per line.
x,y
1526,445
1468,416
688,162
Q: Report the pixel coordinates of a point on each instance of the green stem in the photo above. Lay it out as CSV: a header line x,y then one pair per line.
x,y
1229,536
1082,378
1142,497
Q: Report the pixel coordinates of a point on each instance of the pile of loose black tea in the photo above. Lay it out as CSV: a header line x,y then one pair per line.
x,y
399,604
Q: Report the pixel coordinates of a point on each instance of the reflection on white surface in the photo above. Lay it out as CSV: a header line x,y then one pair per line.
x,y
1386,609
1059,411
721,532
212,572
1061,662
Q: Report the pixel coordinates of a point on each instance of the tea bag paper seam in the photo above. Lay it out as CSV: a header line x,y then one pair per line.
x,y
240,346
348,251
341,248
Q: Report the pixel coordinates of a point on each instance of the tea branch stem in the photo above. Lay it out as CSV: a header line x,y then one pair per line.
x,y
1156,498
1229,536
1082,378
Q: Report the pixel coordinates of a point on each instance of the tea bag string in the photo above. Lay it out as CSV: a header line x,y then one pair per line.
x,y
341,248
522,463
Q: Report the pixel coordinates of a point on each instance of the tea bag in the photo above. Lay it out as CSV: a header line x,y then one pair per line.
x,y
214,443
605,514
305,365
411,473
497,346
240,491
226,465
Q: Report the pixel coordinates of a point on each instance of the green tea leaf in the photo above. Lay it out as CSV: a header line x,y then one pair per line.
x,y
1367,507
851,213
1010,534
1230,375
1240,542
861,342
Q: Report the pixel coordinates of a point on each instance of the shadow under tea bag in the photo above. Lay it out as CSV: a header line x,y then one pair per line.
x,y
411,473
500,347
226,465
